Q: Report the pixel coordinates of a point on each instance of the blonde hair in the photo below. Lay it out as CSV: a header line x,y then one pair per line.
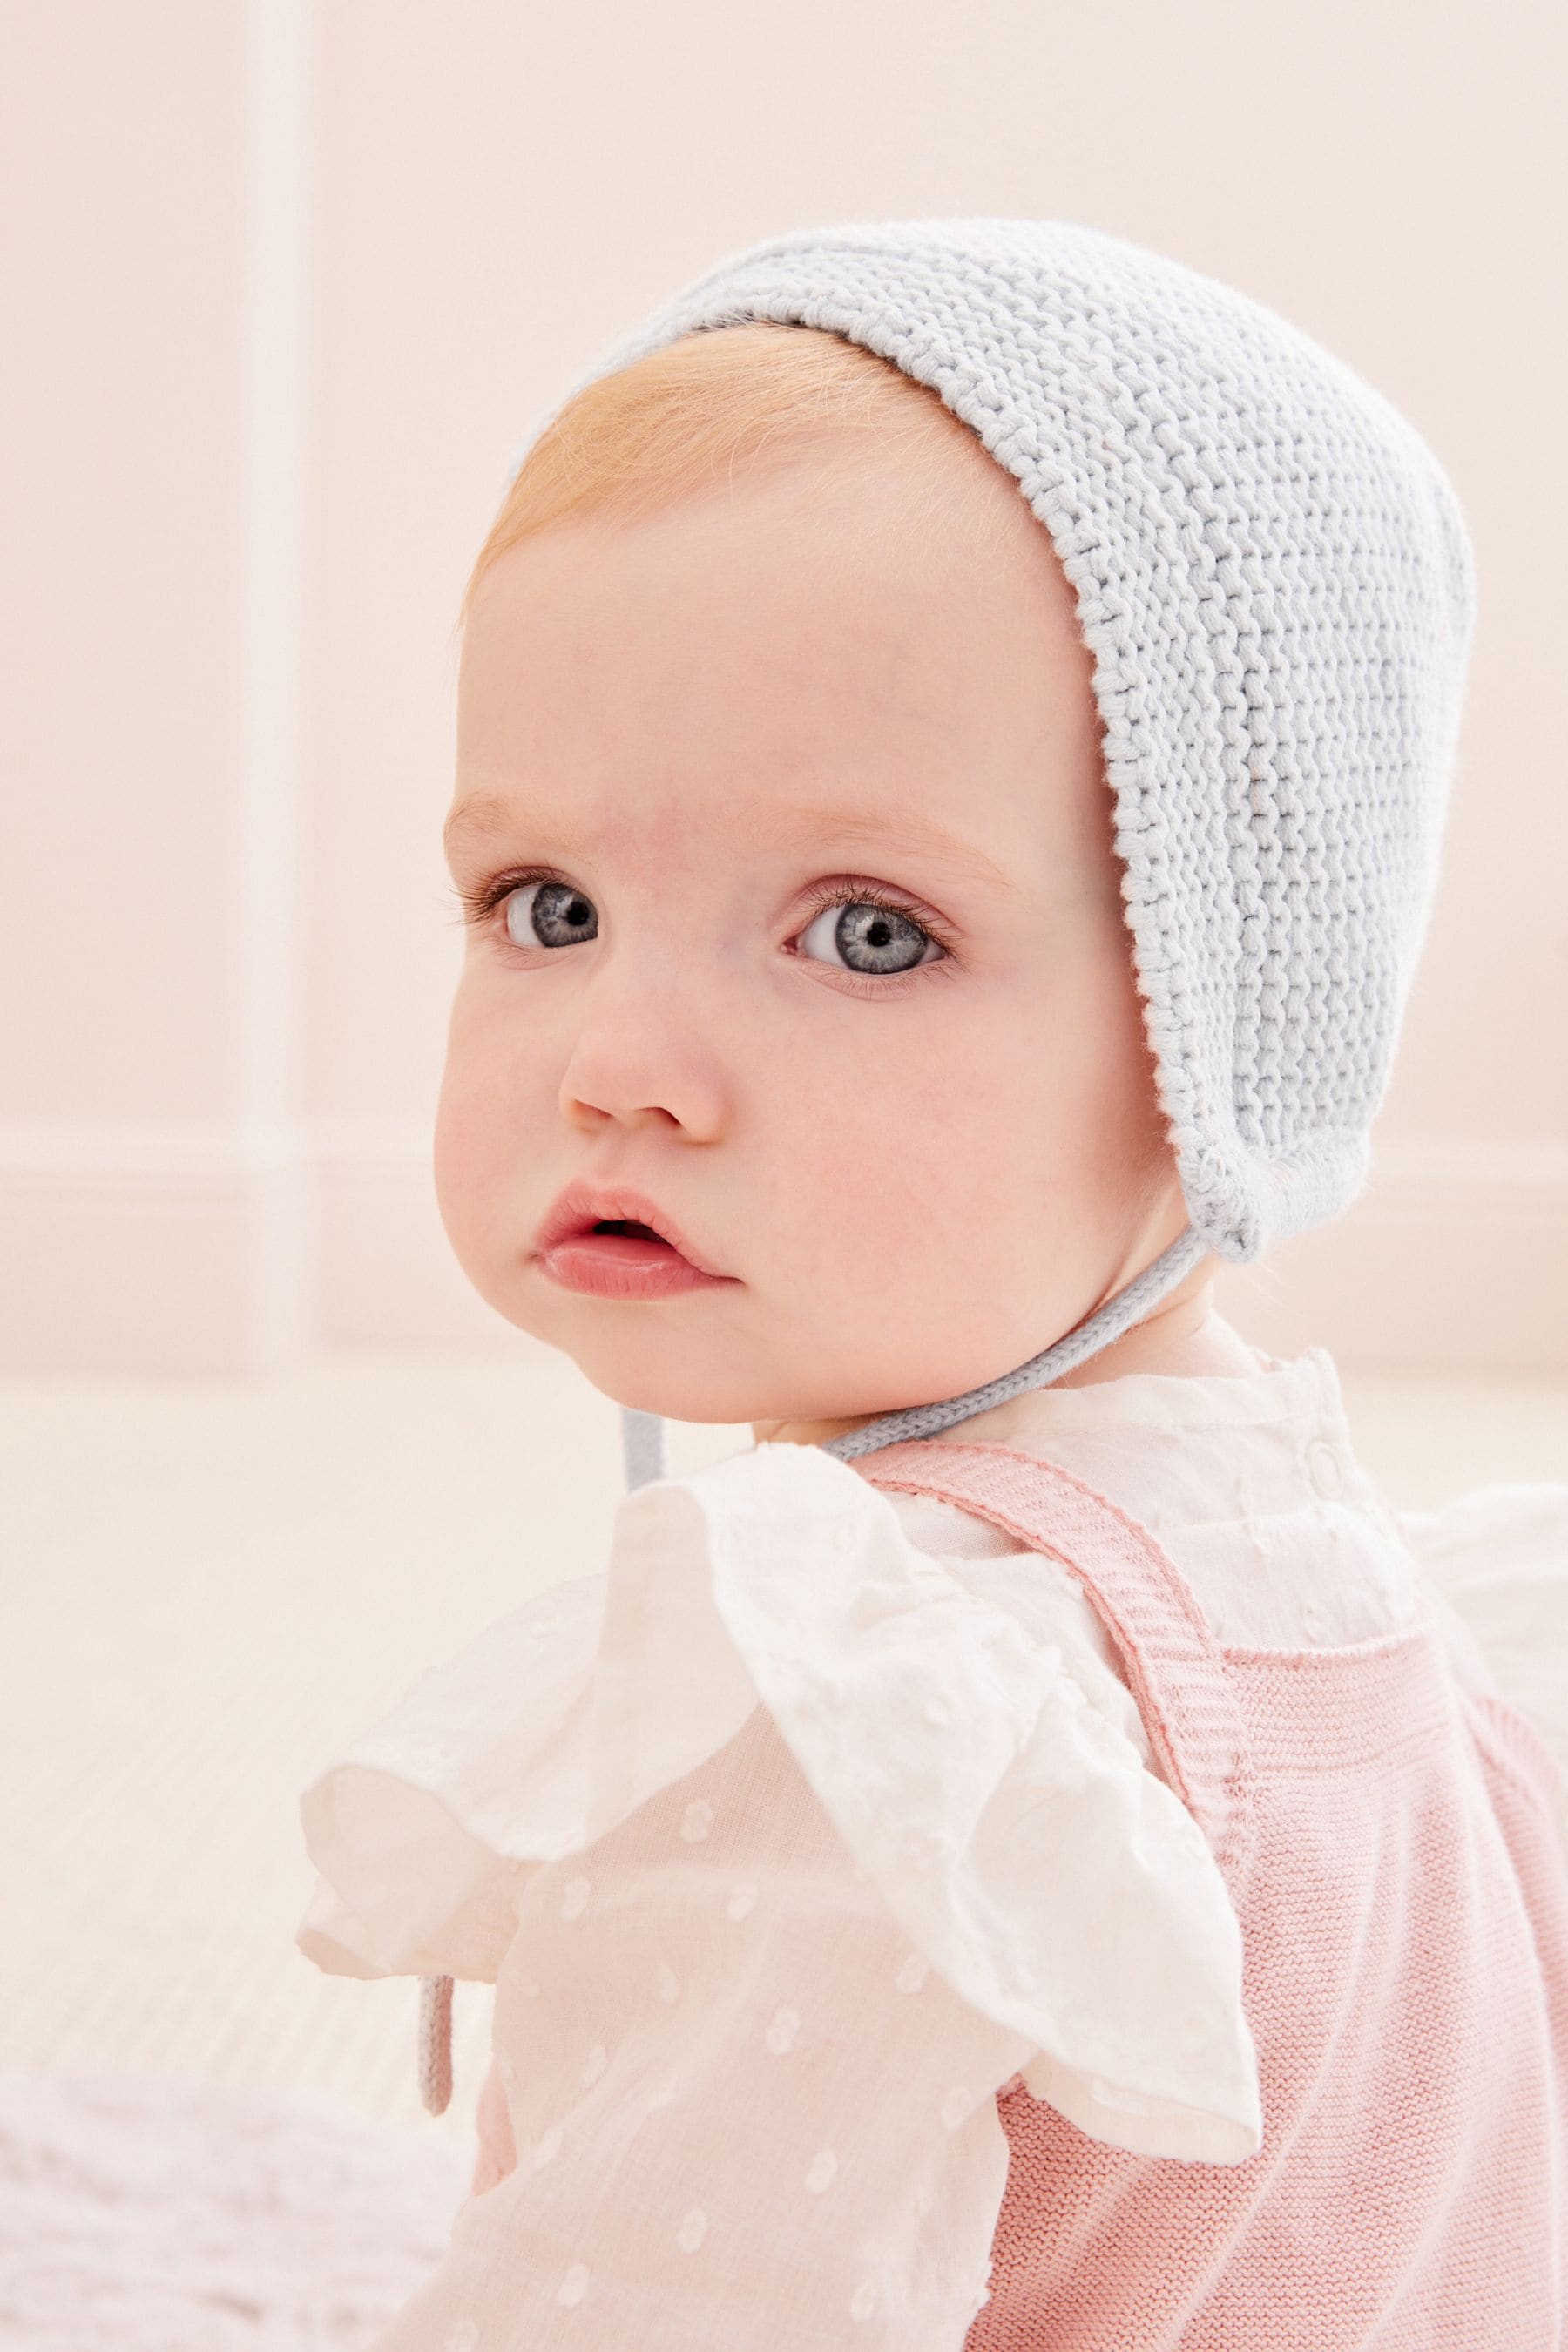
x,y
637,440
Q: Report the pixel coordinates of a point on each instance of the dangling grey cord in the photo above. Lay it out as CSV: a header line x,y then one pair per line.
x,y
642,1453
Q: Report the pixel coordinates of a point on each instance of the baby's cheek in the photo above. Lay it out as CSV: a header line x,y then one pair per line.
x,y
460,1195
895,1199
497,1113
484,1146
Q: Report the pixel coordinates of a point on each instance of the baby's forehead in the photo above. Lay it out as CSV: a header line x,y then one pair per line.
x,y
848,648
771,557
833,590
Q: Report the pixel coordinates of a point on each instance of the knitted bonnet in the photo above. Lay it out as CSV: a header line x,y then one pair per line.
x,y
1273,575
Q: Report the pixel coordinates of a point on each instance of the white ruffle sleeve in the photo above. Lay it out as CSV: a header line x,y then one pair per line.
x,y
785,1853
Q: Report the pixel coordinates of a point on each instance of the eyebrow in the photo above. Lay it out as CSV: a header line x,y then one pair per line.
x,y
485,815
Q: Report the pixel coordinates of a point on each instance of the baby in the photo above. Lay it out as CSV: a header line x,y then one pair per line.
x,y
953,728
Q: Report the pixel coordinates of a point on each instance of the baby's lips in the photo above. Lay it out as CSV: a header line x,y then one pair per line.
x,y
583,1207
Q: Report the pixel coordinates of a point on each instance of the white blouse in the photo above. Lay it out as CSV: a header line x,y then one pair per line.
x,y
819,1816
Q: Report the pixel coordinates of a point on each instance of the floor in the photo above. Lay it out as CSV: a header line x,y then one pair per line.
x,y
207,1588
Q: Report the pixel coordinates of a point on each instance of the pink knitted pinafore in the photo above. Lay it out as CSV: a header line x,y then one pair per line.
x,y
1388,1841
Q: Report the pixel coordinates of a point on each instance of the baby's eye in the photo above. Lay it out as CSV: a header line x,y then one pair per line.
x,y
549,915
869,937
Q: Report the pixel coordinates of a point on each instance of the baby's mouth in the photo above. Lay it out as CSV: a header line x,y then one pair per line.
x,y
622,1258
592,1230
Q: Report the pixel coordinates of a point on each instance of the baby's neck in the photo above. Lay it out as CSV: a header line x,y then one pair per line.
x,y
1188,1344
1184,1336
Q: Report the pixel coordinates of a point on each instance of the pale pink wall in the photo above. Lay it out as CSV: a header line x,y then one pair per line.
x,y
119,717
394,234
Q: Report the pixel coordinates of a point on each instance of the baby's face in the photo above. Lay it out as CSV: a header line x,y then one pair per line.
x,y
828,963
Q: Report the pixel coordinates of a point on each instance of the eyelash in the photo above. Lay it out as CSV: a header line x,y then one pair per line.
x,y
476,906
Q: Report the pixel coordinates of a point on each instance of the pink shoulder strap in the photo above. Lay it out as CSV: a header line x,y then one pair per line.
x,y
1175,1668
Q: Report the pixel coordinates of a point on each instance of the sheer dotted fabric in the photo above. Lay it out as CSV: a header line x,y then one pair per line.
x,y
825,2163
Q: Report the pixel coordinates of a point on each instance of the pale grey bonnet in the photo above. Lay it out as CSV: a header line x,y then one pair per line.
x,y
1275,579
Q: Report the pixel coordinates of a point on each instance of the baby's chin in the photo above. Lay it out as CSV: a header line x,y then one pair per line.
x,y
798,1413
726,1372
720,1403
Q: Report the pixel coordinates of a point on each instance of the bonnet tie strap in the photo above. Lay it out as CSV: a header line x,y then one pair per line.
x,y
642,1454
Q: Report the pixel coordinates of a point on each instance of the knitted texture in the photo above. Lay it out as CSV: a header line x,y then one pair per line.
x,y
1274,578
1389,1843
